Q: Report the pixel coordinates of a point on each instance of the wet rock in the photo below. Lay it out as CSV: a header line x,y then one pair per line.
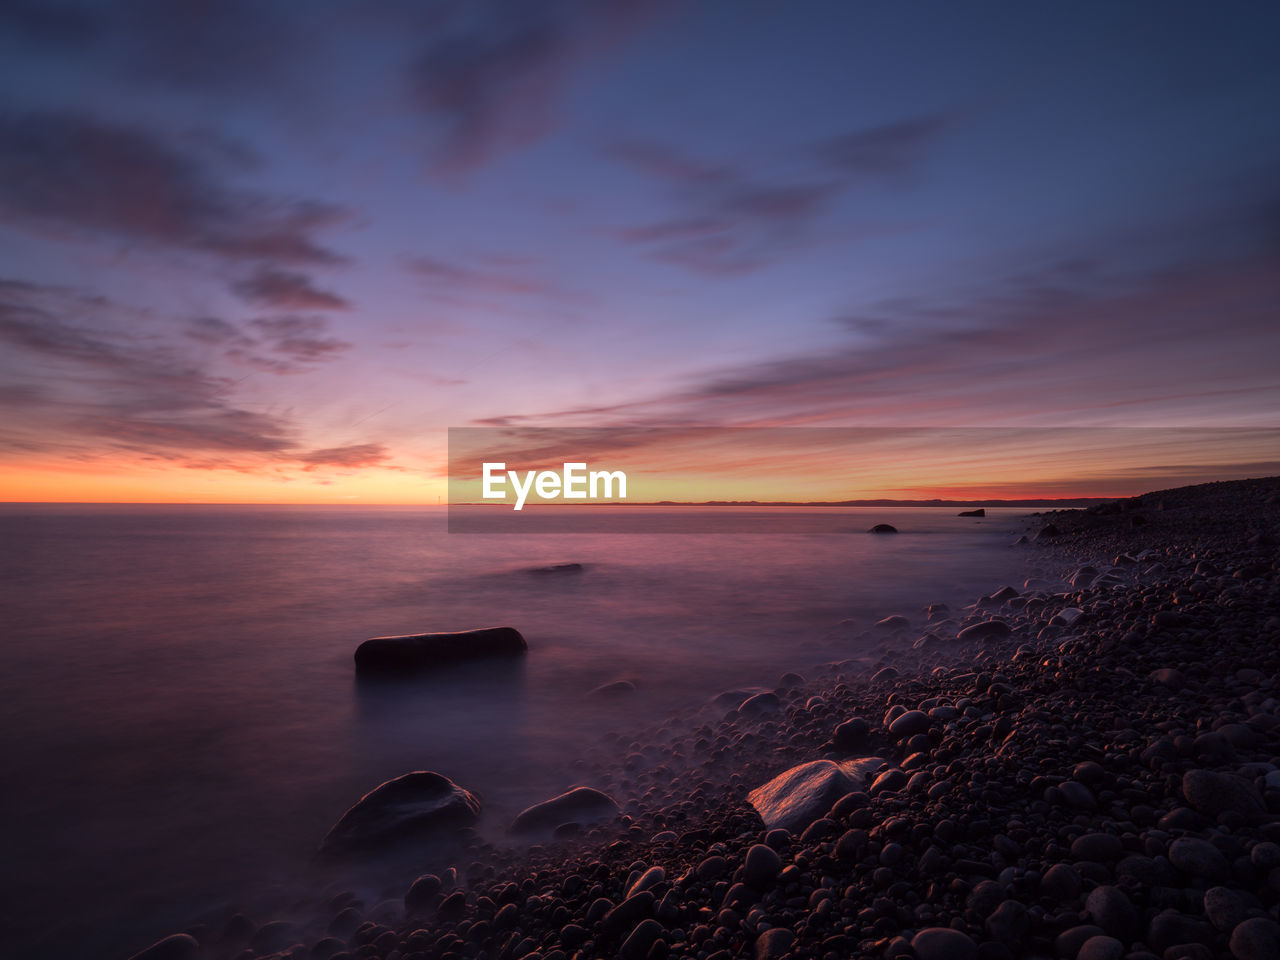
x,y
414,804
761,866
1101,948
909,724
1009,923
627,914
1224,908
883,528
851,735
1101,847
1111,910
641,939
1061,882
1198,858
415,652
774,943
615,688
1213,794
943,943
1256,939
179,946
422,893
986,630
581,805
799,796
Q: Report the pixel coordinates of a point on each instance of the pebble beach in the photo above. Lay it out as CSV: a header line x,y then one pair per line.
x,y
1083,765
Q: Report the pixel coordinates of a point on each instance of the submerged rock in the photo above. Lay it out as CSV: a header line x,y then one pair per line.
x,y
580,805
411,805
180,946
801,795
613,689
425,650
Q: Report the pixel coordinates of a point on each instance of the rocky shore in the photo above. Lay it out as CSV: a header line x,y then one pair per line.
x,y
1082,766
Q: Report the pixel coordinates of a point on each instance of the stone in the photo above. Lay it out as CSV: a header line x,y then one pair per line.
x,y
581,805
883,528
774,943
1100,847
414,804
1224,908
422,893
641,939
1009,923
1111,910
943,943
803,794
1256,939
613,688
1101,948
761,703
1198,858
1061,882
422,651
179,946
979,512
1170,928
761,866
986,630
909,724
852,734
1213,794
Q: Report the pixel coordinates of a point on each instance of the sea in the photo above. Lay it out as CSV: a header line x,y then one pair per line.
x,y
182,722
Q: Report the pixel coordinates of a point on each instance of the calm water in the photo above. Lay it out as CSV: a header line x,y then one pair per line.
x,y
181,721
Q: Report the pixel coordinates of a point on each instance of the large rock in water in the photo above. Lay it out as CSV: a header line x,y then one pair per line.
x,y
412,805
581,805
424,650
980,512
794,799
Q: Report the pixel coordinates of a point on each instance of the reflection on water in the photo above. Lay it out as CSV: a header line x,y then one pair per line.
x,y
181,709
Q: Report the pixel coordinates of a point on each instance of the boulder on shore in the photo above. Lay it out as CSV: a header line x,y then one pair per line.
x,y
797,797
410,805
422,651
581,805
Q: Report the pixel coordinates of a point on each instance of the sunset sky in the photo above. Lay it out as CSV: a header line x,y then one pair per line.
x,y
269,251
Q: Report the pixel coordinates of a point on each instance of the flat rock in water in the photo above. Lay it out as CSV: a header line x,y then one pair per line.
x,y
411,805
980,512
613,689
580,805
794,799
420,651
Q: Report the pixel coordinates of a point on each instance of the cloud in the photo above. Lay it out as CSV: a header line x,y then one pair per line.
x,y
891,151
731,221
73,171
287,290
489,277
1065,345
727,222
102,383
355,456
493,73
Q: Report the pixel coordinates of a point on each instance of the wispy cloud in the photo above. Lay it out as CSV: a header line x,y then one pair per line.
x,y
730,221
76,172
287,290
484,277
492,76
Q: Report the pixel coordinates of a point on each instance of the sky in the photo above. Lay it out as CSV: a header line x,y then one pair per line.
x,y
271,251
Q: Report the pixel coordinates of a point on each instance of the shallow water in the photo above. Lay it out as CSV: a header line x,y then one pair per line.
x,y
181,718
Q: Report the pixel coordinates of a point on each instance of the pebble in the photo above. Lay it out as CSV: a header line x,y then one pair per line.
x,y
943,943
